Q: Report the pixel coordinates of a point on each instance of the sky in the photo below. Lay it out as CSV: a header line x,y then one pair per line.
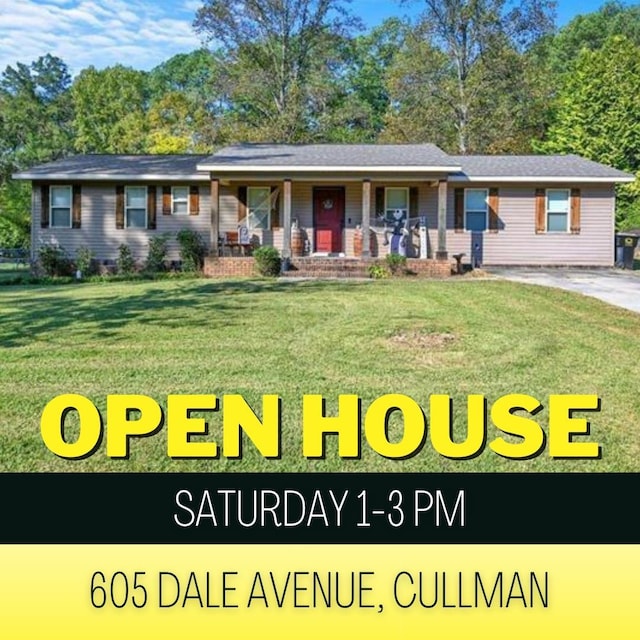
x,y
144,33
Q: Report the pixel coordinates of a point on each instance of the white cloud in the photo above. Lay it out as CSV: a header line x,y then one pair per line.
x,y
137,33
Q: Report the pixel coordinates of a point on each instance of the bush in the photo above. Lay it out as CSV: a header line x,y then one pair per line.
x,y
396,263
378,272
125,263
157,254
268,261
84,262
54,261
192,250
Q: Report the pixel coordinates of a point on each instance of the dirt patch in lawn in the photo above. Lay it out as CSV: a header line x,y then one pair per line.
x,y
422,340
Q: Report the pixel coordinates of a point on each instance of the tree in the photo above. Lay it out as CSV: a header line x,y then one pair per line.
x,y
35,113
35,127
110,110
466,45
274,47
598,115
591,31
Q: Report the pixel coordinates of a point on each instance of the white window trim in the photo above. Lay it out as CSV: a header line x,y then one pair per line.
x,y
69,188
486,209
248,217
386,191
546,210
173,200
146,206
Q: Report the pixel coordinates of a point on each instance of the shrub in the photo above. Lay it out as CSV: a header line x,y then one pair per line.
x,y
54,261
396,263
84,261
125,263
378,272
157,254
268,261
192,250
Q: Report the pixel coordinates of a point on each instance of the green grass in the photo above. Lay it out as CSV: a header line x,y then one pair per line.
x,y
416,338
10,271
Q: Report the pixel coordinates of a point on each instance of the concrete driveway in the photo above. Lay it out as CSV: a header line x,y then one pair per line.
x,y
615,286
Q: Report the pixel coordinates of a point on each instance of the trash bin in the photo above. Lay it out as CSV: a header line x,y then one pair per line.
x,y
626,244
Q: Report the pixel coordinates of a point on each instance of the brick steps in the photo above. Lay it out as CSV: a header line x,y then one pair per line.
x,y
328,268
319,267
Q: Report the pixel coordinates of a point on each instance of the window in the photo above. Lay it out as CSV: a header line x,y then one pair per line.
x,y
259,207
180,200
136,207
397,199
475,209
558,210
61,207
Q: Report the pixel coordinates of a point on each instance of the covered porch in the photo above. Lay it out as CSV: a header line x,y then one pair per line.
x,y
339,218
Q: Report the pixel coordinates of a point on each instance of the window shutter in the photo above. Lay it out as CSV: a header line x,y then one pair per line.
x,y
379,201
575,211
166,200
413,202
541,211
194,200
44,206
76,211
275,208
151,207
242,204
458,202
493,210
119,206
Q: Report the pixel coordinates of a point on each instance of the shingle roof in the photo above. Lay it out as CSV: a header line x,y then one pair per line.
x,y
338,156
318,157
118,167
566,166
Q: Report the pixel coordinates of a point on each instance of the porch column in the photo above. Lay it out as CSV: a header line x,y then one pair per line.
x,y
215,216
366,218
441,253
286,223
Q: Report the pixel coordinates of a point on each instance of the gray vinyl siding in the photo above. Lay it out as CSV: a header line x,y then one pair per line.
x,y
98,229
515,244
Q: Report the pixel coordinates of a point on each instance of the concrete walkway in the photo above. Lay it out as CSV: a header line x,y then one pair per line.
x,y
615,286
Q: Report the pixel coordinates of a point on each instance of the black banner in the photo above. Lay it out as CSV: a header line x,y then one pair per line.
x,y
314,508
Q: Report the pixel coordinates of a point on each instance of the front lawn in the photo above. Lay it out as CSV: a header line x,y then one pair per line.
x,y
261,337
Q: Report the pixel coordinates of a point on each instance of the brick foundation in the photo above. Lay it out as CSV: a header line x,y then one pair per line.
x,y
323,267
229,267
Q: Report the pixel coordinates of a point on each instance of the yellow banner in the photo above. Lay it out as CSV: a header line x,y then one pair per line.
x,y
319,591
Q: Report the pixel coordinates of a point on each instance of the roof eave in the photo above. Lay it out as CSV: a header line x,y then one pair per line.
x,y
538,179
110,177
292,169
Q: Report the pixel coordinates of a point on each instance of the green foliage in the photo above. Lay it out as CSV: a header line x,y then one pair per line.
x,y
378,272
396,263
125,263
268,261
193,249
54,261
280,56
36,114
15,214
591,31
85,262
157,256
109,108
598,115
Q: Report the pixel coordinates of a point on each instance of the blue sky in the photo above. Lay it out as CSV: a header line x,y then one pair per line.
x,y
142,33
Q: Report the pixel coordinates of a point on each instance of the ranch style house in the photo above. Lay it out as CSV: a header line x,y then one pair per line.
x,y
331,201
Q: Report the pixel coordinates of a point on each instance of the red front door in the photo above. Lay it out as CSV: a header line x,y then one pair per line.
x,y
328,215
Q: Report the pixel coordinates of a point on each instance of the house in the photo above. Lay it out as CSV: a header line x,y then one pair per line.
x,y
335,200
